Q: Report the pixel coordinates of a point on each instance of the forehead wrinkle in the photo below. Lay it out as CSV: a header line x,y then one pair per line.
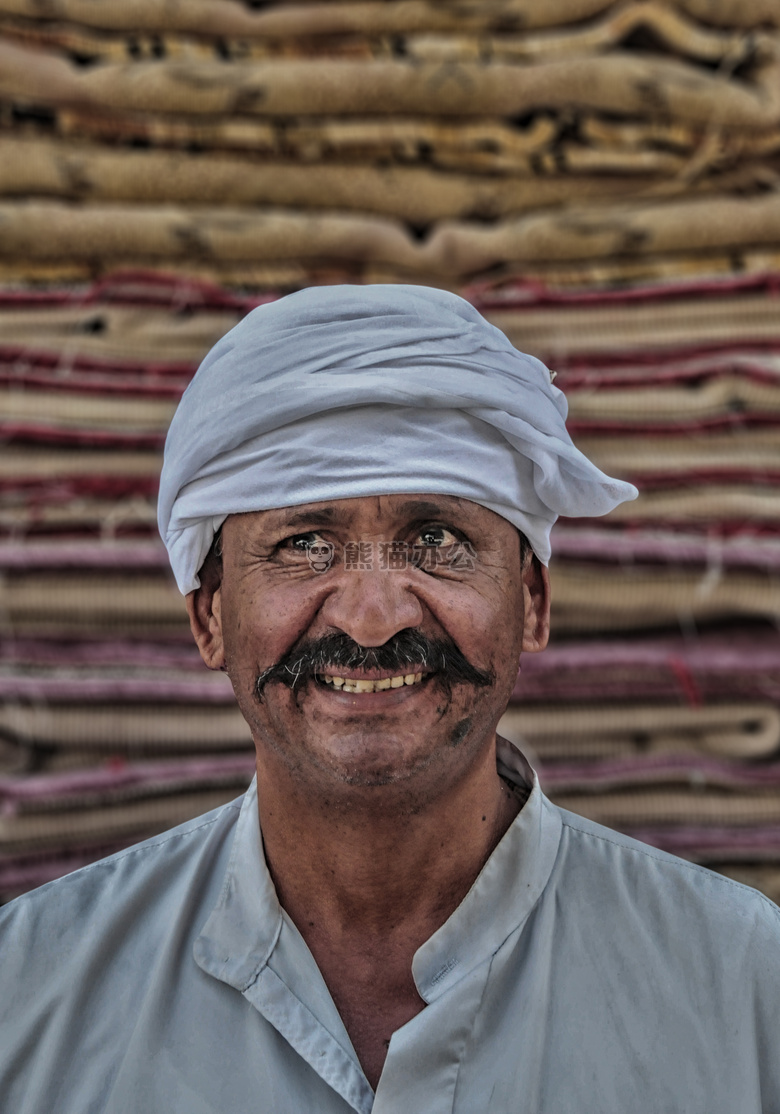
x,y
429,508
411,509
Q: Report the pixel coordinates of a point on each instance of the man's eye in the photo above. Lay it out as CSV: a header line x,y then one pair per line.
x,y
301,542
436,536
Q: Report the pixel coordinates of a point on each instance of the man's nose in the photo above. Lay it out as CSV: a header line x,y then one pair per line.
x,y
371,605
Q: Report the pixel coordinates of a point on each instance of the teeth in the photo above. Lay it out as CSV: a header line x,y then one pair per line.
x,y
352,685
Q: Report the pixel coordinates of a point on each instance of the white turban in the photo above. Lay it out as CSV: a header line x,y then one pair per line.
x,y
337,392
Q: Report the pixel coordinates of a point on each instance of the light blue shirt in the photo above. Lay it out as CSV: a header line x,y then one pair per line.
x,y
583,972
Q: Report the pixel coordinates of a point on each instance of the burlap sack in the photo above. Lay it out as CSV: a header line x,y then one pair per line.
x,y
479,143
50,230
40,168
484,143
621,83
642,135
629,230
668,28
221,18
238,134
732,13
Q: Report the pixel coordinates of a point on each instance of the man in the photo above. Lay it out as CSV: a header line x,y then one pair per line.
x,y
357,499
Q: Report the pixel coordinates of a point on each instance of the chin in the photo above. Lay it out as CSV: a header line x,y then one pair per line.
x,y
373,762
366,763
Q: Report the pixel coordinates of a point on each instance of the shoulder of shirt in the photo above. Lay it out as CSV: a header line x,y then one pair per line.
x,y
696,878
189,836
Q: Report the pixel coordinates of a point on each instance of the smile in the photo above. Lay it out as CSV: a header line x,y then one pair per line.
x,y
351,684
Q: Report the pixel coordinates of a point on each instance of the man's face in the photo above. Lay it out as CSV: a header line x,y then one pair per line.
x,y
392,662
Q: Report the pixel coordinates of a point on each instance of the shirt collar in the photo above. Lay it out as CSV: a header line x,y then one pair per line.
x,y
505,891
244,926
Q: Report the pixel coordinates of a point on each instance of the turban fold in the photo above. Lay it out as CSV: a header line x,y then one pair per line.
x,y
338,392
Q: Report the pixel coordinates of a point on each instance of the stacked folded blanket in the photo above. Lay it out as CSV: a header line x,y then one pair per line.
x,y
656,712
598,178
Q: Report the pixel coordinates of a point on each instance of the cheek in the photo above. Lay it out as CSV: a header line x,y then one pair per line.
x,y
487,621
262,623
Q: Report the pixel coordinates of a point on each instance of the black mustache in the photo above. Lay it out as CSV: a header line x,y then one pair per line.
x,y
408,651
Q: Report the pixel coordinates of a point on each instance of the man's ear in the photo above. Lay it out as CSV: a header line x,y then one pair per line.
x,y
204,607
536,605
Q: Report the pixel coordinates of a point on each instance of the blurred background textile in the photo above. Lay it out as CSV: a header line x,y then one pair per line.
x,y
600,179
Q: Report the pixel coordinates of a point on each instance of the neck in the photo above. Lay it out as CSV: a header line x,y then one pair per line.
x,y
371,860
368,875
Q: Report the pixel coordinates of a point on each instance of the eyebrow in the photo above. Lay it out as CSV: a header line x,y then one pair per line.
x,y
323,516
423,508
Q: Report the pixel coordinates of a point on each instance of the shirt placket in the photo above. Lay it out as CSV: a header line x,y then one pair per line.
x,y
272,998
425,1056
